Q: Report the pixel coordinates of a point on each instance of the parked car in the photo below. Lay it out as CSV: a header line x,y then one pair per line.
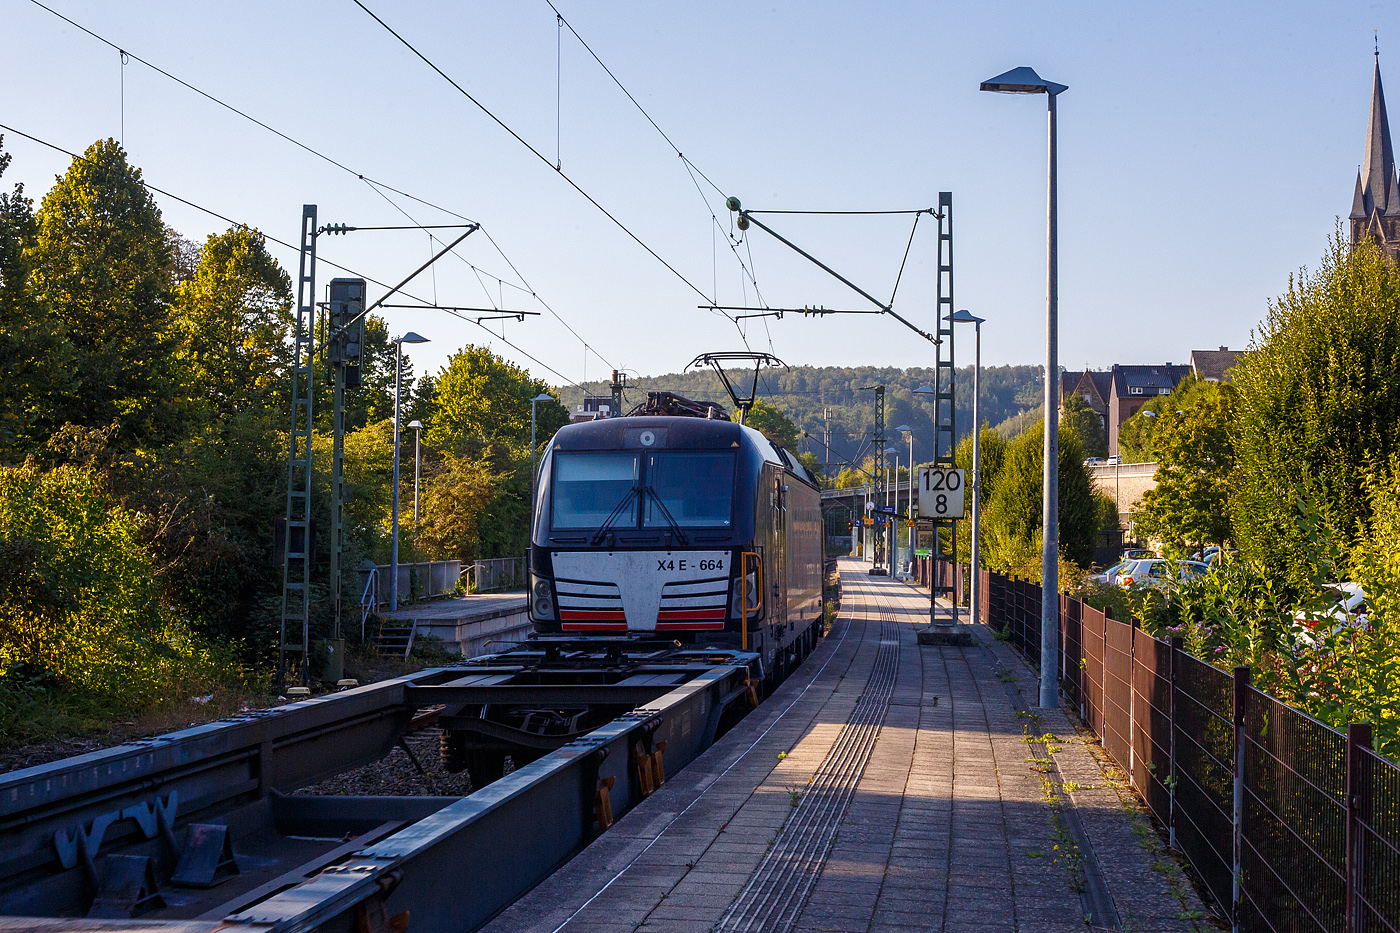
x,y
1159,571
1093,461
1346,606
1110,576
1138,553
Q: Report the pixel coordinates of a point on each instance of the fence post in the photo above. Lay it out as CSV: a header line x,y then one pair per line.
x,y
1358,809
1242,675
1178,645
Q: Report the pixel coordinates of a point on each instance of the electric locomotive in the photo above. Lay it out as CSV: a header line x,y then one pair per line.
x,y
683,526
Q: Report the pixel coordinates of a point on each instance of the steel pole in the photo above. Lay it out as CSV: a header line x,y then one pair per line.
x,y
976,555
909,506
1050,537
894,528
394,534
417,474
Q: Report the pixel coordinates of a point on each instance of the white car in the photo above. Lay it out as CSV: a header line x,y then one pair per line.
x,y
1159,571
1347,606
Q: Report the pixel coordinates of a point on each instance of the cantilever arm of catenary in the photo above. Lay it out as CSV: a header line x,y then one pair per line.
x,y
884,308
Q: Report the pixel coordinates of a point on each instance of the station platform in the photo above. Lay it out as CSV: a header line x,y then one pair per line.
x,y
885,787
468,625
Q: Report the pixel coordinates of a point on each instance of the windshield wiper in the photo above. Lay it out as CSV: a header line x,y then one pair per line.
x,y
603,529
675,526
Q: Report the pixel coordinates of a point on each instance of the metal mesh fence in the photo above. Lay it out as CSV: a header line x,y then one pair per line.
x,y
1152,722
1117,692
1204,772
1092,623
1319,823
1293,852
1377,848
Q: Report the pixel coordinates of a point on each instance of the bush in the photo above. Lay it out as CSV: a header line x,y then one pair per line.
x,y
80,610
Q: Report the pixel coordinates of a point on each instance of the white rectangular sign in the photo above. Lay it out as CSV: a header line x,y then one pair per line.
x,y
941,493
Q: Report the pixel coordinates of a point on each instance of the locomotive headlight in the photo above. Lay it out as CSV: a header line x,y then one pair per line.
x,y
543,607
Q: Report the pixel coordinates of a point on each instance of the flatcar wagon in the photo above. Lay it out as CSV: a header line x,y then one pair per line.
x,y
690,528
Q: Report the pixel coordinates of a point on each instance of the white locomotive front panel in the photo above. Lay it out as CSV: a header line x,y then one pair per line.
x,y
641,591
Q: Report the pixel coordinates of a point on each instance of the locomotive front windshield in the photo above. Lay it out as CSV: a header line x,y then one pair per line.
x,y
656,489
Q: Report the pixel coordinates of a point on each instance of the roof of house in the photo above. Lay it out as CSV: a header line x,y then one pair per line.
x,y
1214,364
1099,381
1162,376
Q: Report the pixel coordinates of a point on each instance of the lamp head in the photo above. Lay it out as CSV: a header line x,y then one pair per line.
x,y
543,397
925,390
1022,80
965,317
904,427
416,425
411,337
891,450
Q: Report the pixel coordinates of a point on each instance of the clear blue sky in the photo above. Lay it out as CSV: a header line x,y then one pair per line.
x,y
1205,151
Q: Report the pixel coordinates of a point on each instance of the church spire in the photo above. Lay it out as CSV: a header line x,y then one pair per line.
x,y
1377,185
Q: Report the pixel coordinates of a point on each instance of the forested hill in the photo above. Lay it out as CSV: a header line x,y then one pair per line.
x,y
804,392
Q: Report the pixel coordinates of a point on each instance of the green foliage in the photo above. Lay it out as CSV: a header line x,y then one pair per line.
x,y
774,424
1136,435
483,406
233,321
33,354
79,604
1190,505
1011,523
100,268
806,393
1317,400
1083,422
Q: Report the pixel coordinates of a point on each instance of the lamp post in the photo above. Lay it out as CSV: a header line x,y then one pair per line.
x,y
1024,80
909,506
967,317
417,427
409,337
534,480
894,530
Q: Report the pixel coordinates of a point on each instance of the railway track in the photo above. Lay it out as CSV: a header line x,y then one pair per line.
x,y
231,824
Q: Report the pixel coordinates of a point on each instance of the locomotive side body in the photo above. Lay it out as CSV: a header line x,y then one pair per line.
x,y
691,529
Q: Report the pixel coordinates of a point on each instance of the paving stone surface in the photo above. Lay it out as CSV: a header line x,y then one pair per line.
x,y
950,826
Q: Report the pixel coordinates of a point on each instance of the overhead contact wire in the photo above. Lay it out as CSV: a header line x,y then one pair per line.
x,y
535,152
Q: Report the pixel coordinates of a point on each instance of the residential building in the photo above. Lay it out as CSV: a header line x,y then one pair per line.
x,y
1214,365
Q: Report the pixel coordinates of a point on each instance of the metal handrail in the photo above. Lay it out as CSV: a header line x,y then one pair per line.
x,y
369,600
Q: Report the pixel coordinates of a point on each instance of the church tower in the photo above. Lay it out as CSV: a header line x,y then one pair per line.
x,y
1375,208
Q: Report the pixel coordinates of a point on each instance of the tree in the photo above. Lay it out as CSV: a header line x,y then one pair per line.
x,y
1083,422
101,259
775,425
232,321
33,354
1317,403
483,402
1195,457
1136,434
1013,516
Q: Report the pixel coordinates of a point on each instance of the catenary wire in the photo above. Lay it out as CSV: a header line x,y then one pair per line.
x,y
237,223
375,184
535,152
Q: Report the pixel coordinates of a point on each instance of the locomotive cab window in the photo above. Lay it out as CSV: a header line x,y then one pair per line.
x,y
589,486
696,488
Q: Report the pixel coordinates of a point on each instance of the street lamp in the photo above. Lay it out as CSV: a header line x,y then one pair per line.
x,y
967,317
409,337
894,529
909,506
417,427
542,397
1024,80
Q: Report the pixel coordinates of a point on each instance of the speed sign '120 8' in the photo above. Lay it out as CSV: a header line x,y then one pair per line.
x,y
941,493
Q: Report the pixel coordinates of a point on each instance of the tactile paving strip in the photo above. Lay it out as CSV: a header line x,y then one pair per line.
x,y
779,887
